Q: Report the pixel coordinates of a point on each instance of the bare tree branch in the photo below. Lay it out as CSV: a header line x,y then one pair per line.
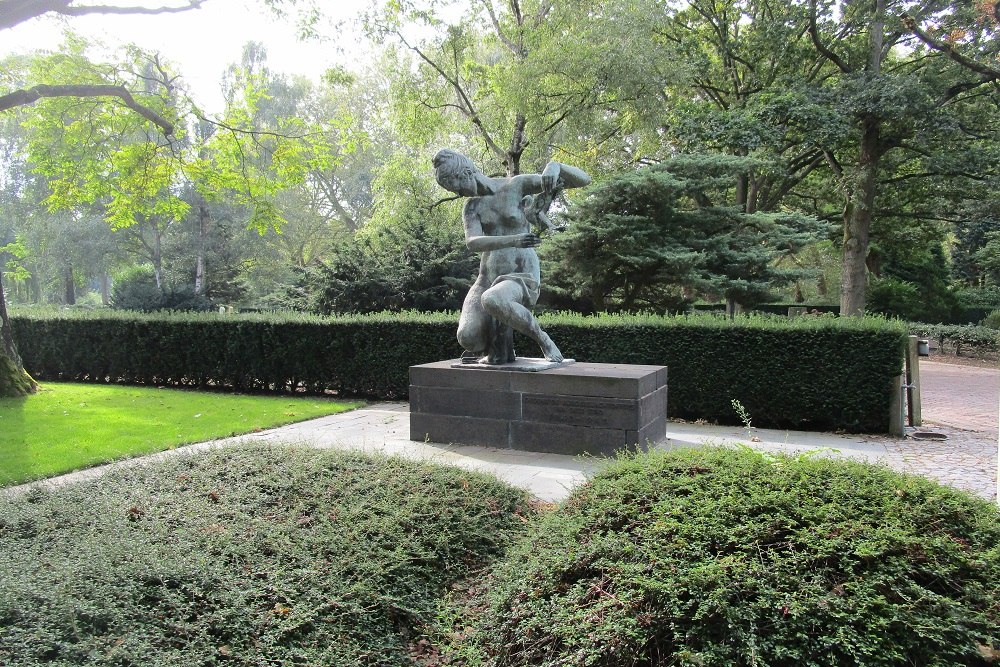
x,y
466,105
988,73
822,48
515,48
13,12
442,201
32,95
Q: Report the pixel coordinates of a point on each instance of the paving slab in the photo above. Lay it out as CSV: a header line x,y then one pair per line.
x,y
961,397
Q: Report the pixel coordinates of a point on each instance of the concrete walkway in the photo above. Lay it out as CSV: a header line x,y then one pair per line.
x,y
967,459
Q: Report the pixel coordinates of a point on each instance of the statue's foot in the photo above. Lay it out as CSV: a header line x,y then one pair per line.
x,y
549,349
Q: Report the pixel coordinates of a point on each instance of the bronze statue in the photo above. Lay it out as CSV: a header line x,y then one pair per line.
x,y
497,224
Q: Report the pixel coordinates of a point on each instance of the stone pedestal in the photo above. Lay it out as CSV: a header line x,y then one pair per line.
x,y
572,409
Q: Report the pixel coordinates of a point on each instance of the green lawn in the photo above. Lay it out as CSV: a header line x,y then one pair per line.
x,y
68,426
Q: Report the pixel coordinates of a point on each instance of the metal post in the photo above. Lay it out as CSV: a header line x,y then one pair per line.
x,y
896,408
913,383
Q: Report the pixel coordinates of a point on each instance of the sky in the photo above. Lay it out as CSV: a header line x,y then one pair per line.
x,y
202,42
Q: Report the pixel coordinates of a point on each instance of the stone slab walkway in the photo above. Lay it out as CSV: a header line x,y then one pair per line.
x,y
956,404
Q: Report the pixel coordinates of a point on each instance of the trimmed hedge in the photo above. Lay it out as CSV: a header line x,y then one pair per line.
x,y
804,373
727,556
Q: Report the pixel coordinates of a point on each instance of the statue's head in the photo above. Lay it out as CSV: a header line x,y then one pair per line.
x,y
455,172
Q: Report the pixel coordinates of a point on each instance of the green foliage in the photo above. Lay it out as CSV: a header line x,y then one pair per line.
x,y
260,555
643,238
894,298
914,284
135,289
806,373
724,556
988,257
959,338
980,297
409,265
992,321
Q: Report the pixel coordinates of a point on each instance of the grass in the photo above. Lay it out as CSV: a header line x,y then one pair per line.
x,y
257,555
67,426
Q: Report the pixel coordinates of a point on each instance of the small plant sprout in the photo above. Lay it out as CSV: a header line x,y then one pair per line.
x,y
744,416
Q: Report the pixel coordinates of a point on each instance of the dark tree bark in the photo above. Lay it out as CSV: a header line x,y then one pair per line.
x,y
858,220
32,95
14,381
69,286
204,219
13,12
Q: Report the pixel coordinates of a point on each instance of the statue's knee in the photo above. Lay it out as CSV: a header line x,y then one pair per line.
x,y
493,303
469,340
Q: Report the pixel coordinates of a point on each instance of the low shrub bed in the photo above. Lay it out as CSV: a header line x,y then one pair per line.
x,y
805,373
732,557
256,556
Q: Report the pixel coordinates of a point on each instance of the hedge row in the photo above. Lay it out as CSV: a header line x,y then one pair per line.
x,y
804,373
959,339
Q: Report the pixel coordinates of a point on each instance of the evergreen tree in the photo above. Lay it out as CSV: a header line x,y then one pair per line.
x,y
658,237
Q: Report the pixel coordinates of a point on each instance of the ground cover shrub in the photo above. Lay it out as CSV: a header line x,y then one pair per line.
x,y
725,556
252,556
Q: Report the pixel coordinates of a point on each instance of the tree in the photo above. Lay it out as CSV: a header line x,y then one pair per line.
x,y
514,77
895,92
656,237
13,12
97,155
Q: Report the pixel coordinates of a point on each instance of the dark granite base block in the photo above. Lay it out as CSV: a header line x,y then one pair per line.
x,y
573,409
464,430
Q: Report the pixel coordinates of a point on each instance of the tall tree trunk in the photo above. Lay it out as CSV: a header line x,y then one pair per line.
x,y
858,219
199,269
105,289
732,307
741,192
35,286
157,254
861,198
69,285
14,381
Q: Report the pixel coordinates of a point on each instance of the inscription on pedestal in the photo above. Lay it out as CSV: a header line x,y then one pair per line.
x,y
573,409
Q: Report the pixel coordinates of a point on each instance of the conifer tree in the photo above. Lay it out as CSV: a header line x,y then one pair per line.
x,y
662,235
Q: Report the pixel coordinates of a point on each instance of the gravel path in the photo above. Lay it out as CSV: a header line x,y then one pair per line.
x,y
962,403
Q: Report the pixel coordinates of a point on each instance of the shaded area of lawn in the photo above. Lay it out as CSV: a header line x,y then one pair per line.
x,y
255,555
68,426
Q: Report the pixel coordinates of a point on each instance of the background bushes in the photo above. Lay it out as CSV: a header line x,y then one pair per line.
x,y
806,373
960,339
733,557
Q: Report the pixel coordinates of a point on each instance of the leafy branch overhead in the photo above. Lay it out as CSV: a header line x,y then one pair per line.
x,y
35,93
13,12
